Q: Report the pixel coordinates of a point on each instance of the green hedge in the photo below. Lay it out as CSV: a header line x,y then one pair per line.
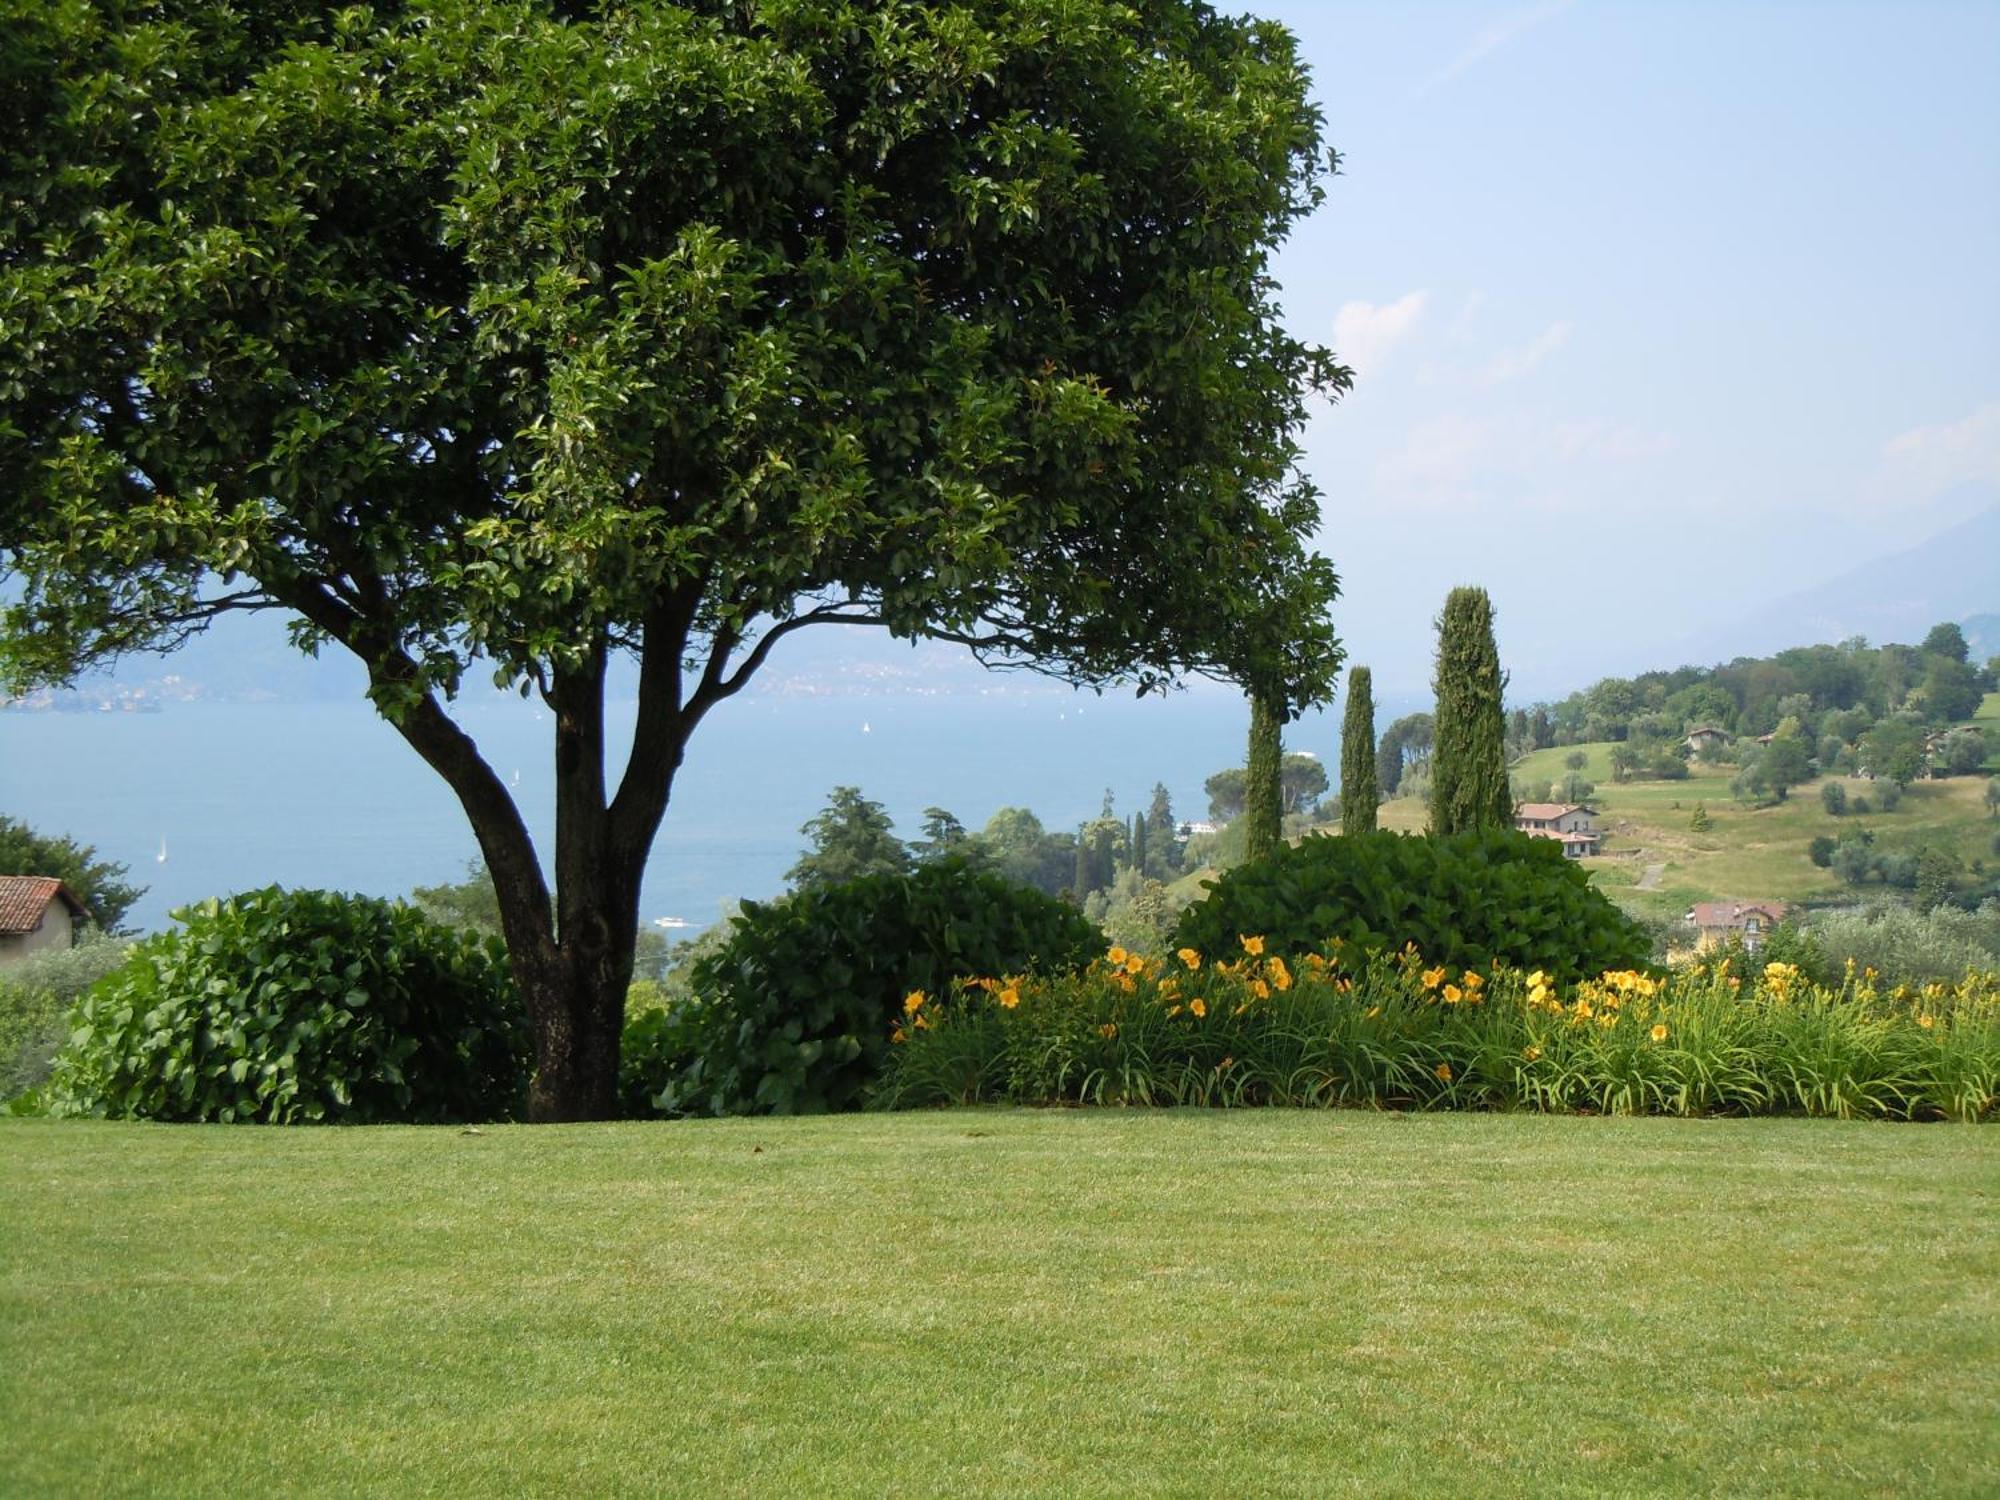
x,y
299,1006
793,1014
1468,899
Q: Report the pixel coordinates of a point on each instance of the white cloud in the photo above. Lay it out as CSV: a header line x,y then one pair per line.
x,y
1365,332
1460,462
1513,364
1491,38
1932,458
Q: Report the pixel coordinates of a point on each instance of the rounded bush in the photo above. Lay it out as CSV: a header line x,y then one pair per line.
x,y
1468,899
299,1006
793,1014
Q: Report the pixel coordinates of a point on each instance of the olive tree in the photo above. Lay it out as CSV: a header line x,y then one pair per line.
x,y
512,337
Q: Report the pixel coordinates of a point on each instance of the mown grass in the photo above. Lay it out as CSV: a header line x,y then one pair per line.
x,y
994,1302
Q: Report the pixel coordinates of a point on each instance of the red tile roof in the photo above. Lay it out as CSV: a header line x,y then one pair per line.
x,y
23,899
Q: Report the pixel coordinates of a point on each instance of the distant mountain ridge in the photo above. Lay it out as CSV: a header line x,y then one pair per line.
x,y
1955,576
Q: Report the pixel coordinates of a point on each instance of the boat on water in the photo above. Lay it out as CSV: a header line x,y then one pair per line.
x,y
672,922
161,857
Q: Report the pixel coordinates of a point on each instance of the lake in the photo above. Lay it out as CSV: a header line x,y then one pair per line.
x,y
240,795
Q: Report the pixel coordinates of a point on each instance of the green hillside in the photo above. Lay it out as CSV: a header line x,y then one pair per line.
x,y
1657,866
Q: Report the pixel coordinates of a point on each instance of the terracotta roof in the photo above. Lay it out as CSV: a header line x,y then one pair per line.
x,y
23,899
1732,913
1550,809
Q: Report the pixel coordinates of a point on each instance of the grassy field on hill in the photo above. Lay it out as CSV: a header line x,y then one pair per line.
x,y
1749,852
989,1302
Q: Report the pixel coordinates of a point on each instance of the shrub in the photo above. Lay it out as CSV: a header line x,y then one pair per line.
x,y
1469,899
793,1014
35,996
299,1006
1907,947
1250,1029
1820,851
1833,797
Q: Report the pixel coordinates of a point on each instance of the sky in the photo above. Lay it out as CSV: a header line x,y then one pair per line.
x,y
1656,311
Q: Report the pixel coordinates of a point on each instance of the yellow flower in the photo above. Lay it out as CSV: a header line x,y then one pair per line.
x,y
1433,977
1173,1011
1537,980
1453,994
1659,1032
1117,956
923,1023
1443,1071
1198,1007
1260,989
1583,1010
1009,997
1472,981
1927,1022
1373,1012
1136,964
1169,987
1108,1029
1191,958
1281,977
896,1035
1254,946
1531,1053
913,1002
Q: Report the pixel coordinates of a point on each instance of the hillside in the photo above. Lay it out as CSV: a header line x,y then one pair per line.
x,y
1656,866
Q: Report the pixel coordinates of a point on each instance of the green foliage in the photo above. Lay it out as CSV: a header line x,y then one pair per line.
x,y
1467,899
1820,851
1701,822
1908,947
1263,796
793,1014
849,838
1469,787
1833,797
1786,763
1360,794
1239,1029
98,884
296,1007
1406,748
36,994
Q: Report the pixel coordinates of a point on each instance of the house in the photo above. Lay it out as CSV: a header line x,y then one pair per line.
x,y
1704,737
37,913
1716,922
1572,823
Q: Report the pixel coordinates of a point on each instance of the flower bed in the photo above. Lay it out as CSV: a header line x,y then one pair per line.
x,y
1338,1028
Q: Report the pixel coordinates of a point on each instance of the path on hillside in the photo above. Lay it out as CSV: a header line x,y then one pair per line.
x,y
1649,878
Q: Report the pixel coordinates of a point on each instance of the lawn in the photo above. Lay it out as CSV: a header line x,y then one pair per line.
x,y
1084,1303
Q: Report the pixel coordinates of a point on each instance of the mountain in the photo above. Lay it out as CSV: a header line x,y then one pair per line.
x,y
1953,576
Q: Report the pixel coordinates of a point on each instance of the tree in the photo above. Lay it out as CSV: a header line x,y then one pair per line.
x,y
1948,641
1469,769
1137,840
1936,874
1833,797
1301,782
1786,764
517,339
1226,792
1951,691
1624,759
1701,822
1163,848
1992,797
98,883
1360,795
944,837
1406,746
1023,850
1263,797
848,838
1894,748
1576,760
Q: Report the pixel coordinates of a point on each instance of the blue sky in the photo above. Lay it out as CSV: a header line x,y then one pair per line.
x,y
1657,311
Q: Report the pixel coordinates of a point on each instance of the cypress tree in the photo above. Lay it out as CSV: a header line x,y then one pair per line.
x,y
1263,791
1139,842
1469,762
1359,791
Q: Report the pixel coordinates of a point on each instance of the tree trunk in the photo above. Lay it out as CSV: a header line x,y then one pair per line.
x,y
1263,793
577,1009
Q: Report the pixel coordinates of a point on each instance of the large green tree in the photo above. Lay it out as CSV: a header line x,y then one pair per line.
x,y
510,337
1360,794
1469,786
850,837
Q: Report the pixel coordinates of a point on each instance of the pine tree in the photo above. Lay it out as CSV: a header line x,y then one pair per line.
x,y
1264,792
1139,842
1359,792
1469,763
1701,822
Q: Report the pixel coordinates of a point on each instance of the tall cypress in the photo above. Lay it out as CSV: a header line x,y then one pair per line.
x,y
1139,842
1263,789
1360,793
1469,762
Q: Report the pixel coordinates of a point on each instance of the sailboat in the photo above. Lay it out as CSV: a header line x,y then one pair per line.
x,y
161,857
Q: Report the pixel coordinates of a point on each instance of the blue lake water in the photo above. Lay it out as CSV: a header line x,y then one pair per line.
x,y
324,794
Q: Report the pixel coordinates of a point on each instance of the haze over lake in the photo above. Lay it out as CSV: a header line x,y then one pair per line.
x,y
325,794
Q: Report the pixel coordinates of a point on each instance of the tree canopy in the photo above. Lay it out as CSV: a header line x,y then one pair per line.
x,y
99,884
507,336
